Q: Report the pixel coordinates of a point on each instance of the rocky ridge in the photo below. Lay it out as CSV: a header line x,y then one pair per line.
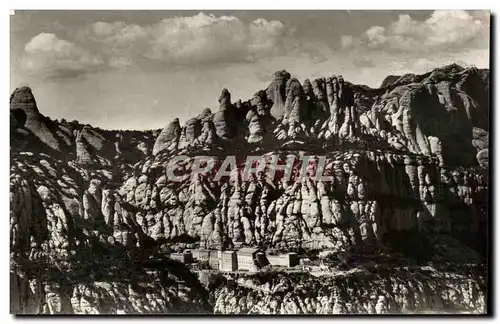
x,y
359,292
411,156
415,159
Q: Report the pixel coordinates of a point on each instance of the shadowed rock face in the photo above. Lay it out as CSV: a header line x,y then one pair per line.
x,y
168,138
360,292
225,100
23,99
31,130
483,157
96,140
205,115
294,97
381,193
277,93
408,159
83,156
225,119
308,89
76,250
25,111
190,132
255,128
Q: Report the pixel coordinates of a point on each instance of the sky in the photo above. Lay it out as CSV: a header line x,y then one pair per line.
x,y
141,69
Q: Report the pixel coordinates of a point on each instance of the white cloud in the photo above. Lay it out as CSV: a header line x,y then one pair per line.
x,y
104,29
189,40
197,39
119,62
346,41
402,46
443,30
46,42
407,45
47,55
376,35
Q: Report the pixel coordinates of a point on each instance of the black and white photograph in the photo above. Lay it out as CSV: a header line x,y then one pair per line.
x,y
250,162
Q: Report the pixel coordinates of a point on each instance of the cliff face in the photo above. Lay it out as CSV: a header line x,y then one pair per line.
x,y
372,194
87,146
410,157
358,292
76,249
414,160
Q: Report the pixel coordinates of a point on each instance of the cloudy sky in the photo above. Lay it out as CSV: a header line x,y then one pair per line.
x,y
140,69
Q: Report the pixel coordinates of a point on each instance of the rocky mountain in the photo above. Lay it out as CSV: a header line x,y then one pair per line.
x,y
91,210
409,291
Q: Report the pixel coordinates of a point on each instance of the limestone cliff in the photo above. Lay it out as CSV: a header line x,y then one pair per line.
x,y
410,158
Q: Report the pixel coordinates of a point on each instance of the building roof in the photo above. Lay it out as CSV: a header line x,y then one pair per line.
x,y
247,250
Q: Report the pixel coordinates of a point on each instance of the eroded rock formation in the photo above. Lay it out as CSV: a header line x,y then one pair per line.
x,y
422,292
410,157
